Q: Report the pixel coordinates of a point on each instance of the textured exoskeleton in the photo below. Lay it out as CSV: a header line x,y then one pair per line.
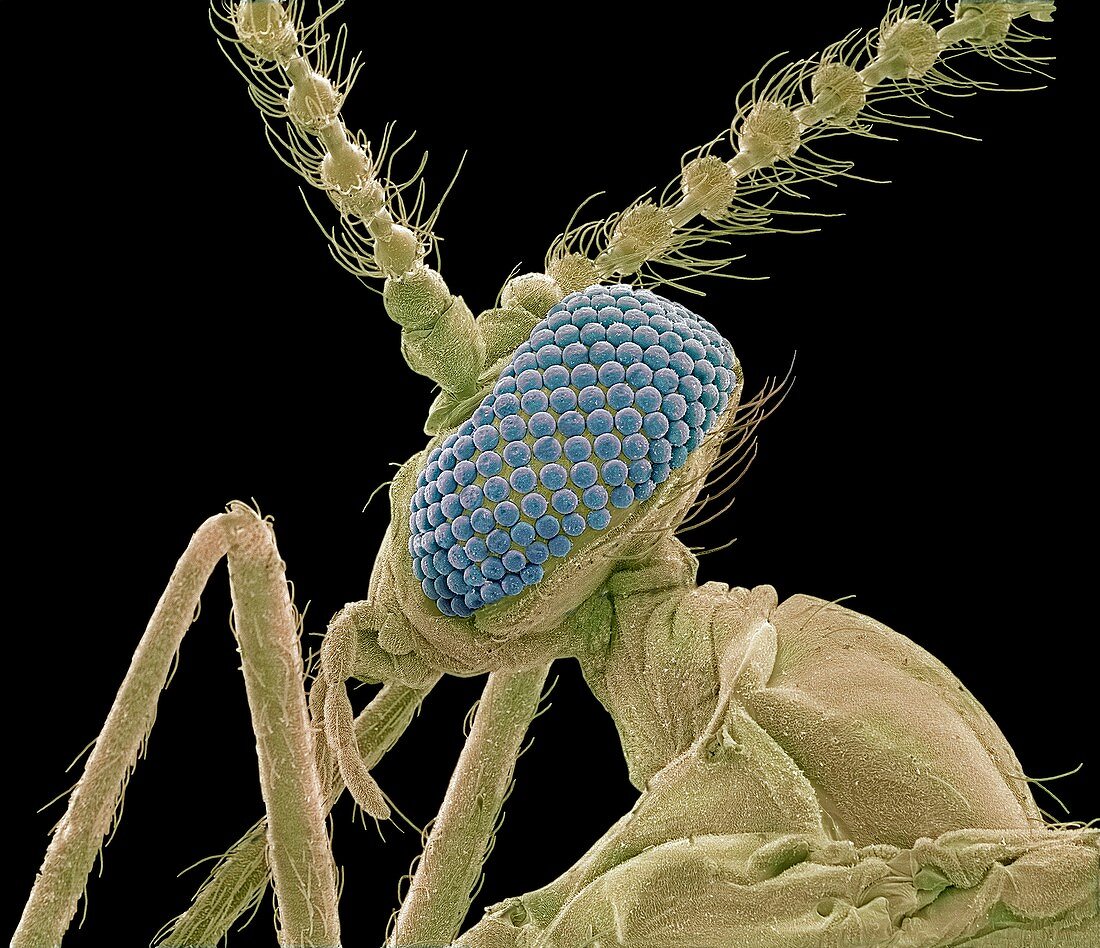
x,y
788,788
809,778
791,794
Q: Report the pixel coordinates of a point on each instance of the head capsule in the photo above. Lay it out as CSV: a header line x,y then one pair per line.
x,y
596,438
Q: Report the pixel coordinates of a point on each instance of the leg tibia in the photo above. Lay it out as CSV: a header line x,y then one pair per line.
x,y
77,838
463,832
266,629
240,879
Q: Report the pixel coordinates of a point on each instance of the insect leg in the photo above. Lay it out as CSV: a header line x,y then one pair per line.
x,y
303,870
266,629
462,833
78,836
239,880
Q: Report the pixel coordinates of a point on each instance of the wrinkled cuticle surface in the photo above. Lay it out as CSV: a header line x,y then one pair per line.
x,y
610,394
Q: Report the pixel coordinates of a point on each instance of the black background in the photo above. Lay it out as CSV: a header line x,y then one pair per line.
x,y
181,338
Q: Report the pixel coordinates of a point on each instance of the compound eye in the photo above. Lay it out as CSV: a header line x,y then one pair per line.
x,y
612,392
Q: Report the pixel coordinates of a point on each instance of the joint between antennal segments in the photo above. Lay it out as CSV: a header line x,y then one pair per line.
x,y
1040,10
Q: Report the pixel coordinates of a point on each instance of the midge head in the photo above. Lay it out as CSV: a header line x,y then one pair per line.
x,y
590,444
612,392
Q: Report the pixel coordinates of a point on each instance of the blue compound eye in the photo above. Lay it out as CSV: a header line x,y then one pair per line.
x,y
595,497
620,395
611,373
571,423
506,514
655,424
639,376
547,526
540,338
601,353
635,446
592,333
499,541
627,420
572,525
564,501
445,484
523,535
505,405
528,380
656,357
464,473
513,561
607,447
614,473
609,395
555,377
471,497
560,546
486,437
482,520
574,354
548,356
618,333
566,334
